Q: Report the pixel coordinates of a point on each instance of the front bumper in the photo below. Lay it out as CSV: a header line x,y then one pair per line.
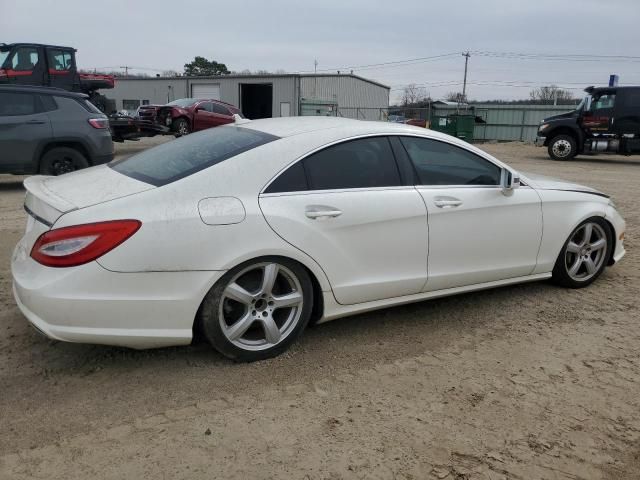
x,y
540,141
89,304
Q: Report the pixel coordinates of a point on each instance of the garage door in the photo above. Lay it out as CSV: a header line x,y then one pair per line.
x,y
206,90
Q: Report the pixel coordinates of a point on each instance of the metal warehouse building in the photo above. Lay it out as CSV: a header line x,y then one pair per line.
x,y
263,96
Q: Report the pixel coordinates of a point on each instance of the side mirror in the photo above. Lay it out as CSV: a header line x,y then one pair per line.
x,y
509,181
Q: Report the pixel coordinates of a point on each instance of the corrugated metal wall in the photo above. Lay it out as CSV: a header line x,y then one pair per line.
x,y
509,122
356,98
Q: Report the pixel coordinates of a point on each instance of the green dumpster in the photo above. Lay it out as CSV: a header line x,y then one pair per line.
x,y
456,125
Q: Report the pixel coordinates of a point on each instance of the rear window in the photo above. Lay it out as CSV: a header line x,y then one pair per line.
x,y
180,158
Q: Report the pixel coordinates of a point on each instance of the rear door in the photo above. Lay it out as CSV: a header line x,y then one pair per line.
x,y
222,114
60,68
23,127
348,208
476,233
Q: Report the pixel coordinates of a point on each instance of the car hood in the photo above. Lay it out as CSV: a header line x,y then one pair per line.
x,y
50,197
542,182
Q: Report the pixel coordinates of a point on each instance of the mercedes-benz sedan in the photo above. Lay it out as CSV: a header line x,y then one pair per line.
x,y
248,232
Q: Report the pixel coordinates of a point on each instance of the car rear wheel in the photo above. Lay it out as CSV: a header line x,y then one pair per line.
x,y
584,254
61,160
562,147
181,127
256,310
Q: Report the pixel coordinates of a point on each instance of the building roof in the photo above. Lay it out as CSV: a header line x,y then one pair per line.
x,y
268,75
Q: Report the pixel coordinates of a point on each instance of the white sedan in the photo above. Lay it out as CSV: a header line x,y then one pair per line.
x,y
248,232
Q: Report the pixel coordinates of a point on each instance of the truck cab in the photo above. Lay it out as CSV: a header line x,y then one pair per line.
x,y
607,120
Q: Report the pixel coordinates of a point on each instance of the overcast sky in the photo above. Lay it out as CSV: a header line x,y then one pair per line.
x,y
286,34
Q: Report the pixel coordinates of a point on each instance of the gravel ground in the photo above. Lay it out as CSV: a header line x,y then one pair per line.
x,y
524,382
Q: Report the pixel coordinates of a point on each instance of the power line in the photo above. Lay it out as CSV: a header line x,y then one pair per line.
x,y
394,63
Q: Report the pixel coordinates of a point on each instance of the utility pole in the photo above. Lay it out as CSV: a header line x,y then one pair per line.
x,y
464,85
126,71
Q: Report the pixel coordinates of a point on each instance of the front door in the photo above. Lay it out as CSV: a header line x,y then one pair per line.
x,y
598,118
476,233
204,117
348,209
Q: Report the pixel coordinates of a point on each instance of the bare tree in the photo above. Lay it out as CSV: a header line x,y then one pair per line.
x,y
170,73
458,97
550,94
413,94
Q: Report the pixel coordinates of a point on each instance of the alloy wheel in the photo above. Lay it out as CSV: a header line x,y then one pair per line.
x,y
260,306
586,251
63,165
561,148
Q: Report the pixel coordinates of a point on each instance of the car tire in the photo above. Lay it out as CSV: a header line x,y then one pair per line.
x,y
61,160
562,147
240,316
579,264
181,127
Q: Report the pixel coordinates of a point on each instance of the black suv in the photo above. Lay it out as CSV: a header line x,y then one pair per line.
x,y
50,131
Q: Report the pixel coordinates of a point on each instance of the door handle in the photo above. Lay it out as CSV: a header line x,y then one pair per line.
x,y
34,122
321,211
447,202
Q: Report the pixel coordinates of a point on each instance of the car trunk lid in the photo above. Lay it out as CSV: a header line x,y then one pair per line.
x,y
48,198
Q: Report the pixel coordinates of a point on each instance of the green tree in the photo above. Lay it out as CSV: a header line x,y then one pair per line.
x,y
201,66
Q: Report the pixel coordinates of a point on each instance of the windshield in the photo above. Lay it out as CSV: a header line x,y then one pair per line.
x,y
183,102
3,56
582,103
177,159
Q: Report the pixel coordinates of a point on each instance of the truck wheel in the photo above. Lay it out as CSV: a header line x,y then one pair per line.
x,y
181,127
61,160
562,147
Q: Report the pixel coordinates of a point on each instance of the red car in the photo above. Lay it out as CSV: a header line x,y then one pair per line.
x,y
188,115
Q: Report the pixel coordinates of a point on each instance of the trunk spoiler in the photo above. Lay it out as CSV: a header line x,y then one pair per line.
x,y
42,204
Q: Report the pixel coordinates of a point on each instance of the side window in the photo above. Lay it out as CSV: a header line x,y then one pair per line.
x,y
207,106
291,180
605,101
59,60
439,163
220,110
48,103
25,59
362,163
13,104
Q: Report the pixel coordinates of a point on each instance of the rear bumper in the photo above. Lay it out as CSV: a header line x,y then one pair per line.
x,y
89,304
540,141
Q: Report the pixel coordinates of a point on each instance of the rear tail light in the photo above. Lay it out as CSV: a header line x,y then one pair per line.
x,y
80,244
99,122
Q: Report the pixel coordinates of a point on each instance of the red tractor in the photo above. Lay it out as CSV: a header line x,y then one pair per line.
x,y
55,66
51,66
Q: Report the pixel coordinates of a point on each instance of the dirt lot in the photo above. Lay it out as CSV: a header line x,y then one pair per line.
x,y
525,382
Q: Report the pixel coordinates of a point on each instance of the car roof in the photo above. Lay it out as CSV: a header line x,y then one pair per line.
x,y
289,126
59,92
29,44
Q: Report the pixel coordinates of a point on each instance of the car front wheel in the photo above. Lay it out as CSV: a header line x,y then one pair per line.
x,y
584,254
256,310
181,127
562,147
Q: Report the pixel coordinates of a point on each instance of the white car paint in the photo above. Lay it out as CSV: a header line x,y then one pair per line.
x,y
387,246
